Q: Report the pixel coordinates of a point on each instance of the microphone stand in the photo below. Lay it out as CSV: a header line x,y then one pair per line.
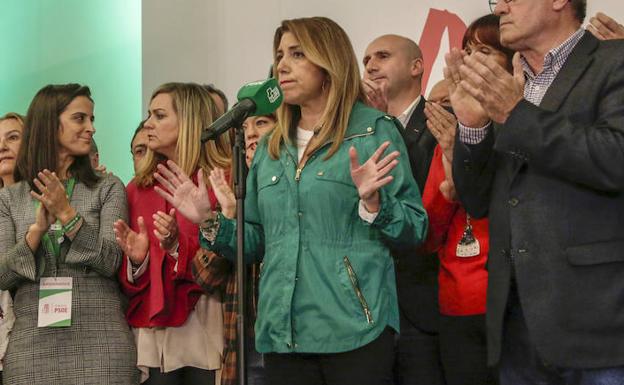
x,y
238,158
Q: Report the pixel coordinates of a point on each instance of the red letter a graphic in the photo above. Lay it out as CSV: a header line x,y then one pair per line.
x,y
431,37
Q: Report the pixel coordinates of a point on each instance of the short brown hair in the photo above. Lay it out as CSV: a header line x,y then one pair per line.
x,y
580,9
486,30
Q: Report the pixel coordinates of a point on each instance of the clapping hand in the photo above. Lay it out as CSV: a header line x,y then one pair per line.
x,y
372,175
442,125
223,192
376,94
180,191
447,187
53,196
605,28
467,109
166,230
134,245
491,85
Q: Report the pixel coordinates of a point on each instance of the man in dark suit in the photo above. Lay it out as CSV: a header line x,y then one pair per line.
x,y
549,174
392,83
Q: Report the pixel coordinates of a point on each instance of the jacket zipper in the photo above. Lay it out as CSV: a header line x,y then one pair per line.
x,y
358,291
300,169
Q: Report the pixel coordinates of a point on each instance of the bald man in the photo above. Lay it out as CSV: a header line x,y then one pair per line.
x,y
393,68
439,94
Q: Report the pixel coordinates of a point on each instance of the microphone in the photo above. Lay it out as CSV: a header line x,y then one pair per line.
x,y
254,99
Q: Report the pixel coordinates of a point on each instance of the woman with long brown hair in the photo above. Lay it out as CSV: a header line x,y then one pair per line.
x,y
59,254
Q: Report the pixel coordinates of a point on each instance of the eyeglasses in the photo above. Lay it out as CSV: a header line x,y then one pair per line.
x,y
494,2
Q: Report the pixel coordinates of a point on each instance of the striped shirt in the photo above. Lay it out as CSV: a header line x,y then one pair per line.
x,y
536,85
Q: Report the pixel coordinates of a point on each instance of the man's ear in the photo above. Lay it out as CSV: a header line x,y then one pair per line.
x,y
418,67
558,5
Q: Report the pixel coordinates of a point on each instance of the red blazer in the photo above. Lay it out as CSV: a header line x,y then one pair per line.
x,y
161,297
462,280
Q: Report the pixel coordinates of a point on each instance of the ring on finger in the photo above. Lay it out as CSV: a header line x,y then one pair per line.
x,y
167,235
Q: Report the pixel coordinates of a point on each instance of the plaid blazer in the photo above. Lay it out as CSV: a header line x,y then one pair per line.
x,y
217,274
98,348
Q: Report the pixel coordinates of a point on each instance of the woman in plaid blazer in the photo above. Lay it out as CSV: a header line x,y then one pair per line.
x,y
56,221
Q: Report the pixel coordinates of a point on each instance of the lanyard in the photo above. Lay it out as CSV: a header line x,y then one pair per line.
x,y
55,247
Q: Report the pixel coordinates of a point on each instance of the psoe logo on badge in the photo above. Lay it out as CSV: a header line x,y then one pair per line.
x,y
273,94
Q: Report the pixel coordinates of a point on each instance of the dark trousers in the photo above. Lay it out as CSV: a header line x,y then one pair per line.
x,y
417,357
369,365
522,365
183,376
255,364
463,348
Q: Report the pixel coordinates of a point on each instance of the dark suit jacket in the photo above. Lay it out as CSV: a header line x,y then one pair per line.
x,y
417,275
551,180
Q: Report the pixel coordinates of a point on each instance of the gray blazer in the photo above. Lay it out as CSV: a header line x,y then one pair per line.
x,y
98,348
551,181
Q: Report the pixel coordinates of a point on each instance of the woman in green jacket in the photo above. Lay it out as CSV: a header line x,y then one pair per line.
x,y
321,222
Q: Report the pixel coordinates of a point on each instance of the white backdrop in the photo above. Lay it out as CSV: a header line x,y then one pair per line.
x,y
229,42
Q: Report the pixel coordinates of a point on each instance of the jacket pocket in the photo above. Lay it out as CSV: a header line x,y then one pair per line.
x,y
268,179
272,196
356,288
596,253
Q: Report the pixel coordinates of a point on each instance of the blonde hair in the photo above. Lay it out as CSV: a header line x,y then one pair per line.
x,y
20,120
14,116
326,45
195,109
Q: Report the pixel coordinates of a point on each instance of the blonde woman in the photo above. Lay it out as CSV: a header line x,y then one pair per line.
x,y
321,221
178,329
11,129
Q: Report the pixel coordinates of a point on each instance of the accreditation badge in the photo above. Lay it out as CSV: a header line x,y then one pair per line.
x,y
468,246
468,249
55,302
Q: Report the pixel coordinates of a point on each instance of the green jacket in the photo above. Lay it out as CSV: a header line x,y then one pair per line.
x,y
327,283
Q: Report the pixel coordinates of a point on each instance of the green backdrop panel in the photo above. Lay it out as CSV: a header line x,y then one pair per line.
x,y
93,42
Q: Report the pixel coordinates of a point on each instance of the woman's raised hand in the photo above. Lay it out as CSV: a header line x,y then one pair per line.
x,y
166,230
372,175
180,191
53,196
134,245
223,192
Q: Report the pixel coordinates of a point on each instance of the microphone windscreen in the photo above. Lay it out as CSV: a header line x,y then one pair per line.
x,y
266,95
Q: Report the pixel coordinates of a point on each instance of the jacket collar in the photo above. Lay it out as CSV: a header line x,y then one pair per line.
x,y
361,122
417,124
362,118
575,66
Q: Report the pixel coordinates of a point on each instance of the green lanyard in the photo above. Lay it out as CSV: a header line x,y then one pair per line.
x,y
55,247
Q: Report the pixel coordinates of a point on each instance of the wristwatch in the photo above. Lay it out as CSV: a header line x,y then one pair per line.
x,y
209,228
